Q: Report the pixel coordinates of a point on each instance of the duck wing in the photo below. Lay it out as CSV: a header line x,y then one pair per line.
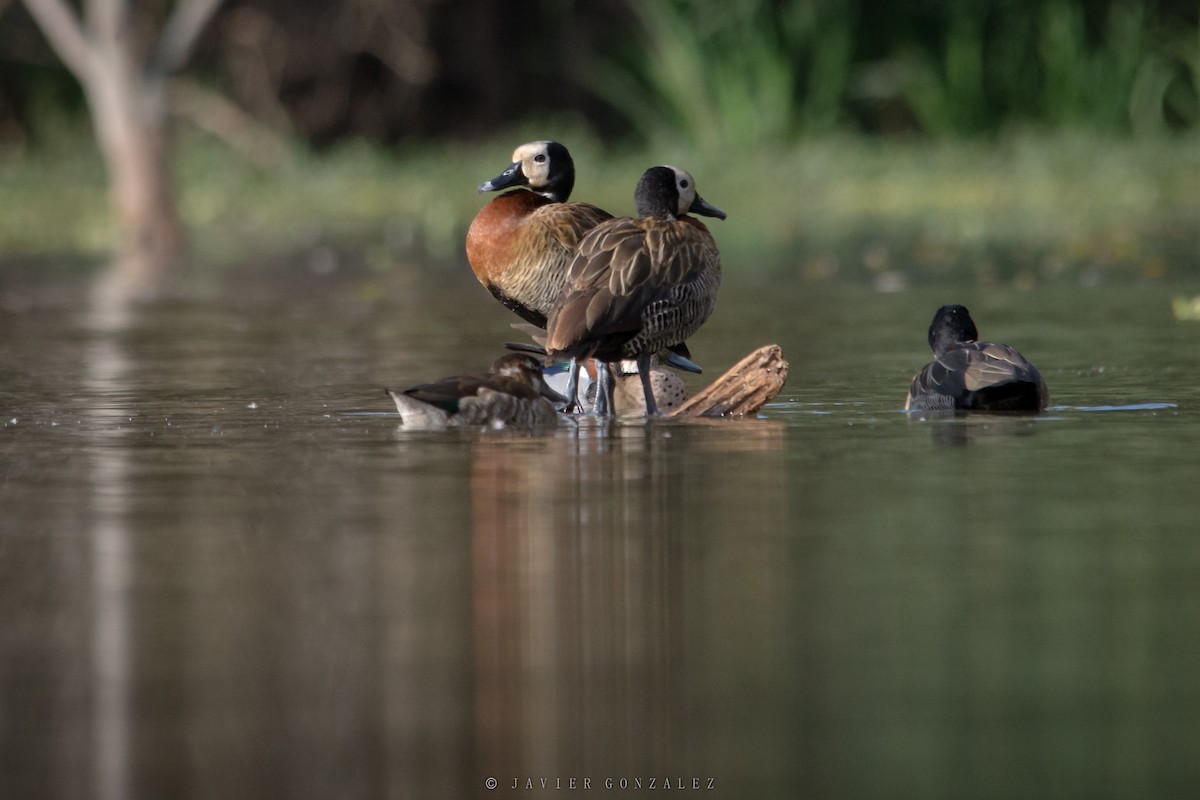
x,y
998,378
624,268
568,223
627,255
982,376
448,393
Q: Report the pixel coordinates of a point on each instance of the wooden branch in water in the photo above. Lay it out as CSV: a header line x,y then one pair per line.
x,y
745,388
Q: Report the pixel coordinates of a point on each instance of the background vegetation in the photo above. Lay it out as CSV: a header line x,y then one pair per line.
x,y
753,72
942,129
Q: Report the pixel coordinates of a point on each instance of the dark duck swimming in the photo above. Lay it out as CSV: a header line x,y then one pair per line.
x,y
967,374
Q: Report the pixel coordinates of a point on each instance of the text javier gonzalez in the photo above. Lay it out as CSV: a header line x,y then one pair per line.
x,y
616,784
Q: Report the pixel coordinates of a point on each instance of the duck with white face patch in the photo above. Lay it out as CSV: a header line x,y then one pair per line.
x,y
521,243
639,286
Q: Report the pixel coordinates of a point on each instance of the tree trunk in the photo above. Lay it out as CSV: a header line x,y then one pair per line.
x,y
124,78
130,117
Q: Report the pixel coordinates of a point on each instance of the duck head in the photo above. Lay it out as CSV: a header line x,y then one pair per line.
x,y
951,325
545,167
525,369
670,193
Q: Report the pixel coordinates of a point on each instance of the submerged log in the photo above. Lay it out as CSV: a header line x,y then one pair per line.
x,y
745,388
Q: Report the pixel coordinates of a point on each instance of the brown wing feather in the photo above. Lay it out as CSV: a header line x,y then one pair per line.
x,y
553,234
991,363
633,274
570,222
629,254
448,393
608,243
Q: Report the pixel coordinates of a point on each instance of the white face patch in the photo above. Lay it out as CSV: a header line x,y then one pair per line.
x,y
534,159
685,185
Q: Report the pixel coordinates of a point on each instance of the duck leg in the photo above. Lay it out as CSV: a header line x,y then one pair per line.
x,y
573,403
604,390
643,365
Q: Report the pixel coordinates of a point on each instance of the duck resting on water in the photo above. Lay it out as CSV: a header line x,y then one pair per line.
x,y
967,374
513,393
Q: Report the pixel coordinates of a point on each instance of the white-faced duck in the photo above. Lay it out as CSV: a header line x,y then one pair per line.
x,y
640,286
520,244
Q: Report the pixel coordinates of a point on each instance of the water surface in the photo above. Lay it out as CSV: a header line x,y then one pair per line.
x,y
227,571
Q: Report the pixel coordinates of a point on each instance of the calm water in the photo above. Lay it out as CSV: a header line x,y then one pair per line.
x,y
226,571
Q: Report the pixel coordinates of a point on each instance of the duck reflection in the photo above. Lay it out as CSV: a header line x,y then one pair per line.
x,y
251,612
960,428
588,590
112,311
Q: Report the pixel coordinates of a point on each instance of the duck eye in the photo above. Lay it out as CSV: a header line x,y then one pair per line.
x,y
540,158
683,184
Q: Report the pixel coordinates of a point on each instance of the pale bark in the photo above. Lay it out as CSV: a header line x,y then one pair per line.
x,y
125,83
745,388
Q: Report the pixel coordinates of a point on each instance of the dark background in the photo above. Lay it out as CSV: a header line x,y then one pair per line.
x,y
395,70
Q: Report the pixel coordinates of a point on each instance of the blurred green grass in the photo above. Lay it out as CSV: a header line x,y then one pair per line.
x,y
759,72
1023,206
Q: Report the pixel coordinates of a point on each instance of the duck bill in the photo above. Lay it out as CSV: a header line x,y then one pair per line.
x,y
704,208
683,362
551,395
510,177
